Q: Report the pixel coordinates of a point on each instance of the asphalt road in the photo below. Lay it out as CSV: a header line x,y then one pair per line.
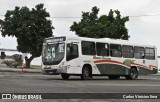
x,y
12,82
17,82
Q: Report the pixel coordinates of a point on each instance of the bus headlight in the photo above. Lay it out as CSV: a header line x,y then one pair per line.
x,y
61,65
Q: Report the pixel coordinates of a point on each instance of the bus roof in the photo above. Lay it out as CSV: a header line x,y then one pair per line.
x,y
106,40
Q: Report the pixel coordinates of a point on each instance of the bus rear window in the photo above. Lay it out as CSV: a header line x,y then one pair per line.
x,y
150,53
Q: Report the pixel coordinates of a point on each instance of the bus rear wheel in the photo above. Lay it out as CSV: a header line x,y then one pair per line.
x,y
86,74
114,77
65,76
133,74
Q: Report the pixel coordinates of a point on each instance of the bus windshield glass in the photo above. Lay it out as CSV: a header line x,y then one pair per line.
x,y
53,53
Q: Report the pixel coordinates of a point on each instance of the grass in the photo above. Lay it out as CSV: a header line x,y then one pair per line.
x,y
33,66
36,66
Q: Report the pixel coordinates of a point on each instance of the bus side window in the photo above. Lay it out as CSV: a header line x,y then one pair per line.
x,y
72,51
102,49
139,52
115,50
88,48
127,51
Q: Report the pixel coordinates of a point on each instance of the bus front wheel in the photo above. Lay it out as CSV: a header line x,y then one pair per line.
x,y
85,73
133,74
65,76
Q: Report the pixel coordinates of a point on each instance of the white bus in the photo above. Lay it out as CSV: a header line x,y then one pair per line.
x,y
87,57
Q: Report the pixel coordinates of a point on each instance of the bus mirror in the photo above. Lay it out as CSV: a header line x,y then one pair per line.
x,y
71,44
71,49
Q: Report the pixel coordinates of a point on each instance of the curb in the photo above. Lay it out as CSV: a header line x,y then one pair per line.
x,y
19,70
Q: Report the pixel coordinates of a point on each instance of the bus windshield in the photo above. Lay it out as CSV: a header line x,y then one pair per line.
x,y
53,53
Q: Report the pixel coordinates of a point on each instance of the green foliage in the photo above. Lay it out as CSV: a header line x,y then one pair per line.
x,y
30,27
111,25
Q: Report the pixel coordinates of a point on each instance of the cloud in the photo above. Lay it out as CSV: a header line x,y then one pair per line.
x,y
8,42
143,29
10,5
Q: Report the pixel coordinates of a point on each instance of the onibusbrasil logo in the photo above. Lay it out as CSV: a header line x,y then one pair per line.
x,y
21,96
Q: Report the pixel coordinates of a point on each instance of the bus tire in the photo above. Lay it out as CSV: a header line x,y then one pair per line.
x,y
45,72
65,76
86,74
114,77
133,74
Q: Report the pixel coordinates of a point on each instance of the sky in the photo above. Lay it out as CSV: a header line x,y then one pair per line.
x,y
143,26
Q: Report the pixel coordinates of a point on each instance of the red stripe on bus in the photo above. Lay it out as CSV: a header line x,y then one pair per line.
x,y
112,61
153,66
140,65
150,66
108,61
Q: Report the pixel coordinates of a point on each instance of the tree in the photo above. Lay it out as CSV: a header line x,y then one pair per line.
x,y
30,27
104,26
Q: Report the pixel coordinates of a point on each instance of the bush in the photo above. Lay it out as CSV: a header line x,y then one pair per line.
x,y
11,63
8,62
15,64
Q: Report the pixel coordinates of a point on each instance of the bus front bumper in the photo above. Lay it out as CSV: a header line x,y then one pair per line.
x,y
54,71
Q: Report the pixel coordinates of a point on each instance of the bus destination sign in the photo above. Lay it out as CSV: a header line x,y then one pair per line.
x,y
56,39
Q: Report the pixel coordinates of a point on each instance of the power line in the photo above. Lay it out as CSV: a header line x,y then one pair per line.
x,y
129,16
57,17
64,17
145,15
71,17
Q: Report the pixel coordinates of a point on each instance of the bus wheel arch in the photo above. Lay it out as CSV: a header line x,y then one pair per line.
x,y
65,76
133,74
86,72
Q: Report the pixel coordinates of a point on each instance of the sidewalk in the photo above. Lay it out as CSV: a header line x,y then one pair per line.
x,y
4,68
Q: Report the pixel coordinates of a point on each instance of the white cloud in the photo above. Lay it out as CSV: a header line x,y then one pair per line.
x,y
144,30
8,42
